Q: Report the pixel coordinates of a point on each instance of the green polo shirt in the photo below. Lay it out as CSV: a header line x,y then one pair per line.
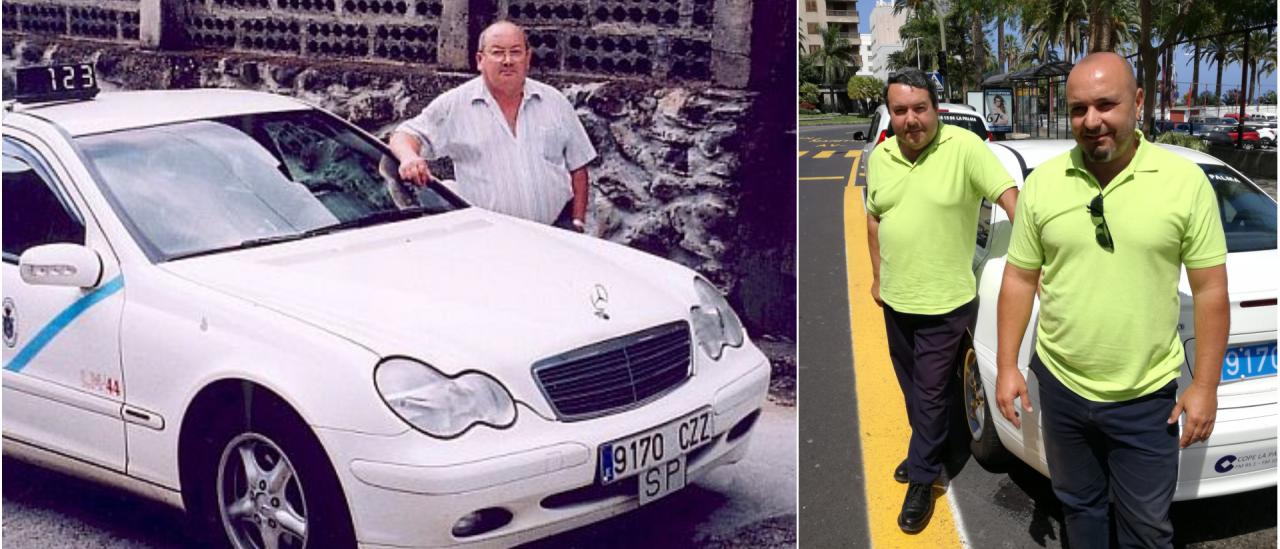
x,y
1108,324
928,211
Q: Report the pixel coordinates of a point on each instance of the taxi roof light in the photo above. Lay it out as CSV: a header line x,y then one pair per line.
x,y
47,83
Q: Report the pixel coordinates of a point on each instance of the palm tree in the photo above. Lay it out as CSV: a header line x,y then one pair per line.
x,y
1056,22
1197,46
1002,11
1218,50
1262,53
924,27
836,56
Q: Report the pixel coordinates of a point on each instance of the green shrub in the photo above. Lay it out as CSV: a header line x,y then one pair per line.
x,y
1182,140
809,93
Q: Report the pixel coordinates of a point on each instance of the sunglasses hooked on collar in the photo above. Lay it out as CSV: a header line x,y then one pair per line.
x,y
1100,231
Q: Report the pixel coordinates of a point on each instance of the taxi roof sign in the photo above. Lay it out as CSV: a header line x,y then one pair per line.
x,y
44,83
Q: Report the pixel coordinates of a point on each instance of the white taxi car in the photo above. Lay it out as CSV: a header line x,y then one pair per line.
x,y
219,299
1241,453
955,114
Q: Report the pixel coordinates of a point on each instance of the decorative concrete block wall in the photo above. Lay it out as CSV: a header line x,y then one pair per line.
x,y
113,20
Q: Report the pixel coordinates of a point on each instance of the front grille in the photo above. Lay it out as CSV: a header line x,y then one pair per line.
x,y
617,374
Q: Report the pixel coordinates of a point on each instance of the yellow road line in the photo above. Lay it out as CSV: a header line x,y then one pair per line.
x,y
820,178
853,154
824,154
802,153
881,413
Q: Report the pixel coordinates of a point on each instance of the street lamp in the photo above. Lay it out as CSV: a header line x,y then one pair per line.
x,y
943,7
917,39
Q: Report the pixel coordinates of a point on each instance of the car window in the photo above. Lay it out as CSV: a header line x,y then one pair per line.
x,y
872,130
36,211
1248,214
208,185
984,223
967,121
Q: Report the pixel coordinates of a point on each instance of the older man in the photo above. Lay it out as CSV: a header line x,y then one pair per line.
x,y
1103,232
924,187
517,146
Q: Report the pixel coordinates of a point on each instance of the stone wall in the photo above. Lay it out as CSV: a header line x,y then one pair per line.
x,y
690,168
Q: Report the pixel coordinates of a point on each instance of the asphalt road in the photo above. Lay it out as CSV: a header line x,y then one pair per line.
x,y
1012,507
751,503
832,501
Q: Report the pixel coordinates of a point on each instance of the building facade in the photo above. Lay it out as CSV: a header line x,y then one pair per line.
x,y
816,15
885,38
865,67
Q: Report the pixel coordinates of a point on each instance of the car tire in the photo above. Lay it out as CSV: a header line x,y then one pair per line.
x,y
268,476
984,442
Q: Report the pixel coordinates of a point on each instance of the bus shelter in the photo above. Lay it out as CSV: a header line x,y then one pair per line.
x,y
1039,97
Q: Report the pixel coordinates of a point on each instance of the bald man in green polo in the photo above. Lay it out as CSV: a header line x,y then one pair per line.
x,y
924,187
1102,232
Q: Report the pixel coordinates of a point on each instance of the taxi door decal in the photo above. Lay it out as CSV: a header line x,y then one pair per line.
x,y
60,322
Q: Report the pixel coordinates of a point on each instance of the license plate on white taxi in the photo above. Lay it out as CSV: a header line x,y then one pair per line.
x,y
1249,361
657,453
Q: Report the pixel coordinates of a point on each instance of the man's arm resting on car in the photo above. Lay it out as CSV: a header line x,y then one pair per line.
x,y
413,167
1212,322
1013,312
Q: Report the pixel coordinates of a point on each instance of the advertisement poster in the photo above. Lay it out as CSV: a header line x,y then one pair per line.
x,y
998,107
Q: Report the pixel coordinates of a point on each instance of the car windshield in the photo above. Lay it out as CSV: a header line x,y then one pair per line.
x,y
969,122
1248,214
205,186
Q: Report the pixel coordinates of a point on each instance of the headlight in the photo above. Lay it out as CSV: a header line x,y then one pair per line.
x,y
715,325
441,406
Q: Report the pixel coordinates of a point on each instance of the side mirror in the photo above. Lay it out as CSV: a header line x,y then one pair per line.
x,y
61,265
859,136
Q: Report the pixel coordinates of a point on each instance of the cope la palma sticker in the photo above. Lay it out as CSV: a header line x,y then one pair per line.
x,y
10,323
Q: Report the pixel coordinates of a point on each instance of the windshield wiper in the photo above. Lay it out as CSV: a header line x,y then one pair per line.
x,y
251,243
376,218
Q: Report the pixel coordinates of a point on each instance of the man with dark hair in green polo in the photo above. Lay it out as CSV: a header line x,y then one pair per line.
x,y
924,187
1109,225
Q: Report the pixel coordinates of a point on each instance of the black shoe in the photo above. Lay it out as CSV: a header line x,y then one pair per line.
x,y
900,474
916,508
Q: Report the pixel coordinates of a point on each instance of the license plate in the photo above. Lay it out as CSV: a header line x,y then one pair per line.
x,y
662,480
1249,361
655,448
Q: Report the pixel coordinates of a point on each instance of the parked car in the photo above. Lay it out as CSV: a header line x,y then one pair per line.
x,y
1260,121
1218,124
1250,140
1267,136
955,114
227,301
1239,456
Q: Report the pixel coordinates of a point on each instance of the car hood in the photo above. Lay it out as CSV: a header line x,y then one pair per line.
x,y
467,290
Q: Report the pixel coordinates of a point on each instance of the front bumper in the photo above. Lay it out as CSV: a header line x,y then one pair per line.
x,y
409,490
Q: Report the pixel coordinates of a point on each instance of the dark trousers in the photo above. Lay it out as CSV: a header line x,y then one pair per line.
x,y
1118,453
924,349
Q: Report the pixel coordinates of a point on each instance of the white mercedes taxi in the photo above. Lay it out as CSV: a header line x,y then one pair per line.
x,y
221,300
1241,453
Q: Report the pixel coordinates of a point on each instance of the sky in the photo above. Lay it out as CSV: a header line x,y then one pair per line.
x,y
1182,61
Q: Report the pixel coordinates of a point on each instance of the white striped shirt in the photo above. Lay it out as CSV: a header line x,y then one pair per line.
x,y
524,175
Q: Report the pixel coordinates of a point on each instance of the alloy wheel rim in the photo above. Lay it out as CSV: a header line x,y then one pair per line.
x,y
260,498
975,402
